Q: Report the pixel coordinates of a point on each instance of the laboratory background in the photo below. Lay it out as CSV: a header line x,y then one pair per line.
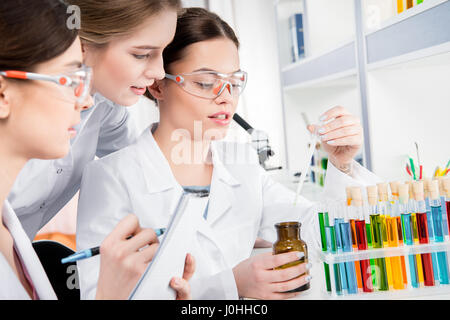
x,y
386,61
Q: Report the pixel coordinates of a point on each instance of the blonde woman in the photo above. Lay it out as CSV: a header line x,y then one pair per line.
x,y
43,87
123,43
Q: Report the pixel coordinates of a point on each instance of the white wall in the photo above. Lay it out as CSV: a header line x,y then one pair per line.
x,y
408,103
261,103
329,27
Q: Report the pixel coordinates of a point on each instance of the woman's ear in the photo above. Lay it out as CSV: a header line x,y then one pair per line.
x,y
4,103
157,89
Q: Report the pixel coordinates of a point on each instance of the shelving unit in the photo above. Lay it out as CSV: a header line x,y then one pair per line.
x,y
392,72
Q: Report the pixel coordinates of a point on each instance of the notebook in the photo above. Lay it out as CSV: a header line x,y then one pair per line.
x,y
170,257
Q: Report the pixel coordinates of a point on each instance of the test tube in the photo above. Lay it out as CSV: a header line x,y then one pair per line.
x,y
392,231
446,185
407,232
324,246
331,247
422,230
361,238
443,206
338,220
435,202
353,234
426,188
381,282
396,209
412,210
346,235
383,212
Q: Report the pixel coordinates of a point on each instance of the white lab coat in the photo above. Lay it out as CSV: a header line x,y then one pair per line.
x,y
43,187
138,179
10,286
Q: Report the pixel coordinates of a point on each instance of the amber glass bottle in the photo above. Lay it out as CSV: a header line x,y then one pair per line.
x,y
289,240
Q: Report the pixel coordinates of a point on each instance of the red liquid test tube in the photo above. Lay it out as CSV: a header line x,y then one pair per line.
x,y
365,264
427,264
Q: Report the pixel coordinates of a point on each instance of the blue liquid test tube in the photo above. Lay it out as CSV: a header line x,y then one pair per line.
x,y
346,235
431,232
342,272
439,237
408,236
409,240
444,215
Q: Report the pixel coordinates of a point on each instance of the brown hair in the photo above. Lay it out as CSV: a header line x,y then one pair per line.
x,y
32,32
103,20
194,25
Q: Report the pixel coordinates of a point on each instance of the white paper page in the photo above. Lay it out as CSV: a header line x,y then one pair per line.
x,y
169,259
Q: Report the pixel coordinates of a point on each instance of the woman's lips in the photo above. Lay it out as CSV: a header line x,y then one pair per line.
x,y
222,118
138,91
72,132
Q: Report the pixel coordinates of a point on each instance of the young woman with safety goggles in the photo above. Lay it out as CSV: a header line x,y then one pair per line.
x,y
43,88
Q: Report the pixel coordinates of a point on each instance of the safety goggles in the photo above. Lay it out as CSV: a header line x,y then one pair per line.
x,y
75,85
210,84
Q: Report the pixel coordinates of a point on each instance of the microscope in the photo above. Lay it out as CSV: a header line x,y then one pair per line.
x,y
260,141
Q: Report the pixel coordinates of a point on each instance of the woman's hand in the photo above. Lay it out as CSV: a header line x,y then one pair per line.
x,y
256,277
341,138
181,286
122,261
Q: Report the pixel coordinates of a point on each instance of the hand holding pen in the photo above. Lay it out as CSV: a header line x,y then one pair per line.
x,y
124,259
87,253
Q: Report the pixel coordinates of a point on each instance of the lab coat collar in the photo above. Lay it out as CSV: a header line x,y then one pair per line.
x,y
27,254
159,177
157,172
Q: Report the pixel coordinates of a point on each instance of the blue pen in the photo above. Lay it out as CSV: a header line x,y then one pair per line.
x,y
87,253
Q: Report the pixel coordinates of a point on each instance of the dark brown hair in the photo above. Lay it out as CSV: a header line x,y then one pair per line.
x,y
194,25
32,32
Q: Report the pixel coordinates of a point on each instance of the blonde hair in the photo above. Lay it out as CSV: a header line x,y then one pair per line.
x,y
101,21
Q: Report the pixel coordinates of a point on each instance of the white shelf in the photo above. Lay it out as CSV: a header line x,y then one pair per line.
x,y
341,79
388,45
406,14
335,64
421,32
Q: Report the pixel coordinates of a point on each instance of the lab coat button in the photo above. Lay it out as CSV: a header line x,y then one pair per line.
x,y
59,171
42,205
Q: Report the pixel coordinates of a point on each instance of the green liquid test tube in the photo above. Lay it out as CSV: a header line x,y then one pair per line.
x,y
324,249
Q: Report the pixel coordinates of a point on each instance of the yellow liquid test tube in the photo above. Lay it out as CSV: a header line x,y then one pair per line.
x,y
394,205
383,202
400,240
396,263
400,7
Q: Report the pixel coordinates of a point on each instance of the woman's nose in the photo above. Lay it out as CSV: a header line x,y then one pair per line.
x,y
225,94
156,70
86,104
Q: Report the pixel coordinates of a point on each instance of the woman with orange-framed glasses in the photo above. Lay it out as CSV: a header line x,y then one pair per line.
x,y
44,86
